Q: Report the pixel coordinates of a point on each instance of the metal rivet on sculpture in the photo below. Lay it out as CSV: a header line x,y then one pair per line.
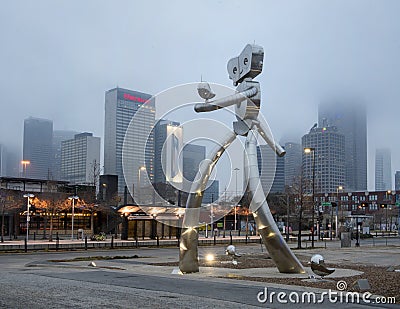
x,y
242,70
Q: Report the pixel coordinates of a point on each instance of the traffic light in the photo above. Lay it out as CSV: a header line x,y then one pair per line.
x,y
383,205
364,205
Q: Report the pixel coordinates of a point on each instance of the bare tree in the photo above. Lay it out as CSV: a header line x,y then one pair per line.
x,y
95,174
10,202
52,203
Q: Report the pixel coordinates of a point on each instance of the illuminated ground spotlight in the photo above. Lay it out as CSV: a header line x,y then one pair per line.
x,y
210,257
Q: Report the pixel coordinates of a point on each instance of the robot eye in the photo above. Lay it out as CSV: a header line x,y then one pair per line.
x,y
234,70
245,61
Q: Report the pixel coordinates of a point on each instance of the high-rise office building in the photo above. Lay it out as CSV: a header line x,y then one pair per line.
x,y
13,163
121,105
58,137
383,170
37,147
292,162
326,162
397,181
211,194
168,139
271,169
351,121
3,160
193,155
80,159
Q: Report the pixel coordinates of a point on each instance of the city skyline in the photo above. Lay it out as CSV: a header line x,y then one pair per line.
x,y
305,65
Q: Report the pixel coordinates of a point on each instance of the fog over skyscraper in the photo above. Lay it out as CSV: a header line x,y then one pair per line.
x,y
37,147
351,121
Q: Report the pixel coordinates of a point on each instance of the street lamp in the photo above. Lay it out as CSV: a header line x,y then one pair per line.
x,y
312,150
24,164
73,198
28,196
236,192
389,202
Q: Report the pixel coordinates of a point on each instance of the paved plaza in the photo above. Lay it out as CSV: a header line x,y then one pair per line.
x,y
59,280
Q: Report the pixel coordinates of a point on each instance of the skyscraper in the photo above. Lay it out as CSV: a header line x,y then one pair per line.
x,y
329,156
271,168
121,105
292,162
80,158
58,137
211,194
3,160
192,157
383,170
37,147
168,139
397,181
351,121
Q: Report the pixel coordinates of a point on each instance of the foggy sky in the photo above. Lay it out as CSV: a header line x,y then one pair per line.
x,y
57,58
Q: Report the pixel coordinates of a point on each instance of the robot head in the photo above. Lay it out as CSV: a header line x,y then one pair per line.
x,y
248,64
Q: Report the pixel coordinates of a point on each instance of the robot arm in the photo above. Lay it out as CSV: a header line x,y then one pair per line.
x,y
264,132
225,102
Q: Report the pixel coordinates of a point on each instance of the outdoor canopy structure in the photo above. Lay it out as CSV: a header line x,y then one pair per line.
x,y
242,70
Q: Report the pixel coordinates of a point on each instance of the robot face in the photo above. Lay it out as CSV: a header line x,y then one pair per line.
x,y
248,64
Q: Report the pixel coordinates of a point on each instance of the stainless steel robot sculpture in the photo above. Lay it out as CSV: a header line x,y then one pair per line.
x,y
242,70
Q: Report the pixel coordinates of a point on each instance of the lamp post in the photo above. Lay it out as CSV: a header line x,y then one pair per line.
x,y
73,198
287,217
389,202
236,192
24,164
212,215
28,196
312,150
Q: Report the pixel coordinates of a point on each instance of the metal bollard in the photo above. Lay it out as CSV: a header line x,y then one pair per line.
x,y
112,242
85,242
57,241
230,236
215,239
137,242
246,239
158,241
26,245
